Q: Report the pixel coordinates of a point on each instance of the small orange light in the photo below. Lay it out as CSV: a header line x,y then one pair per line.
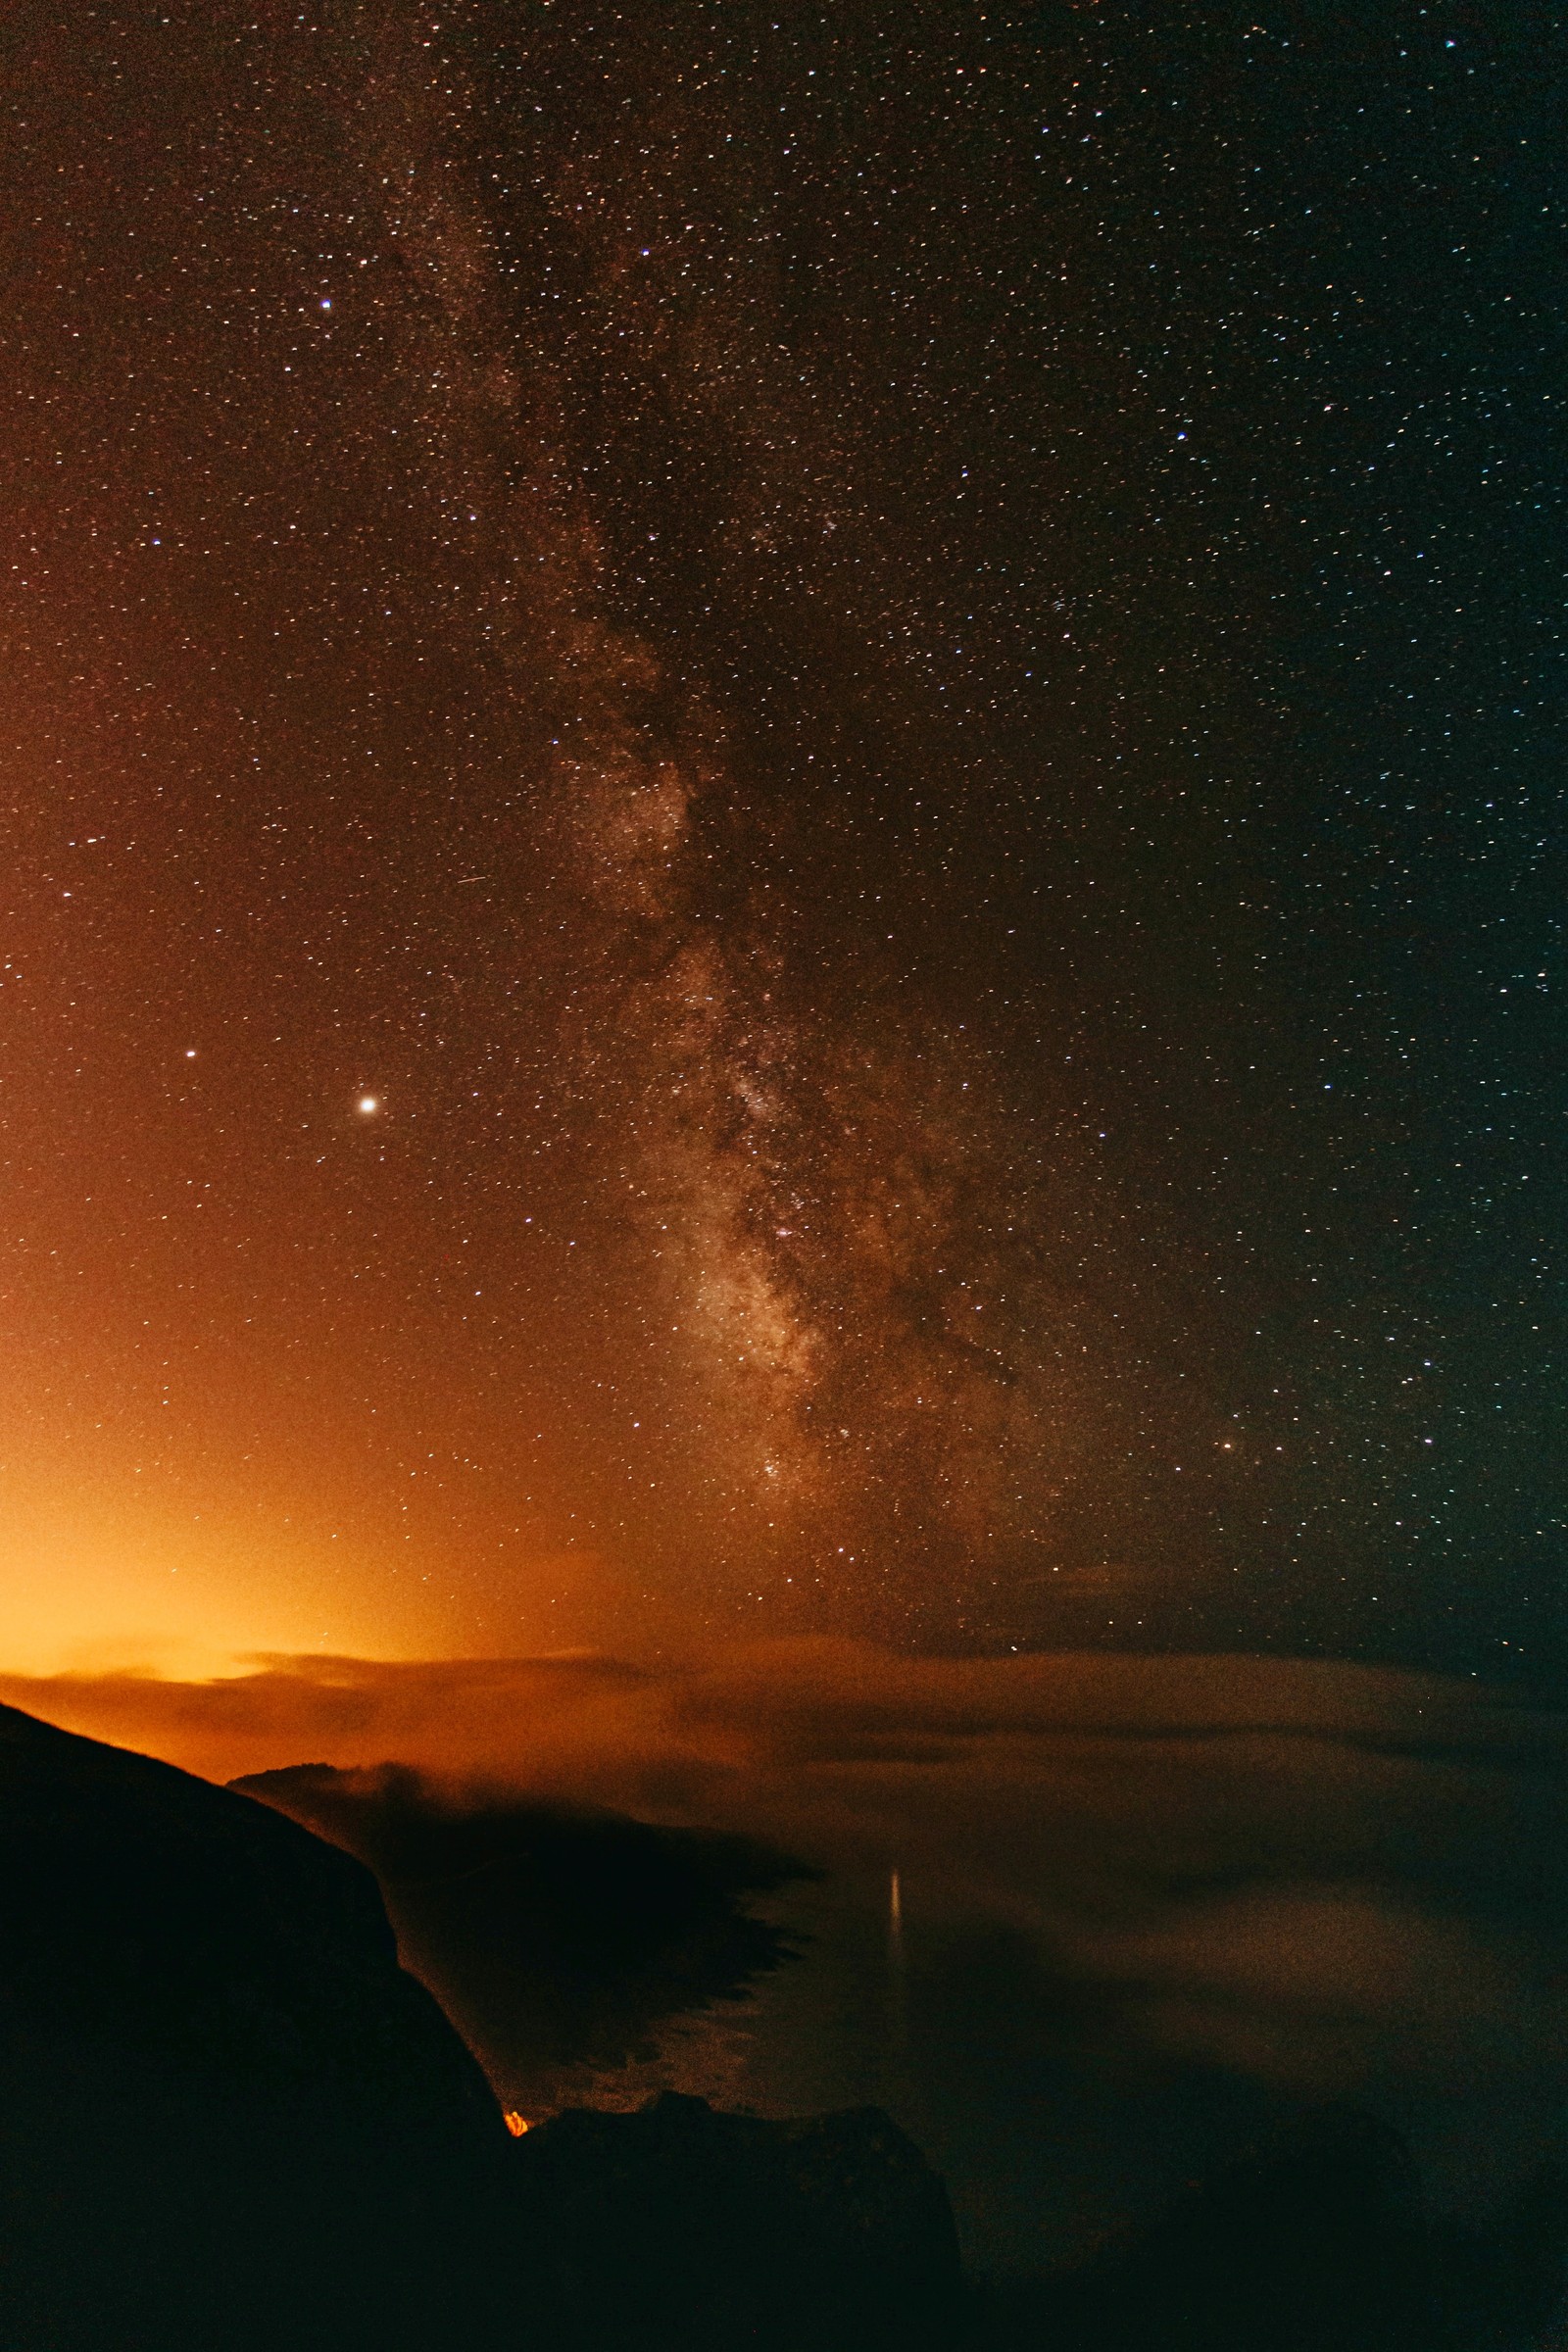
x,y
515,2123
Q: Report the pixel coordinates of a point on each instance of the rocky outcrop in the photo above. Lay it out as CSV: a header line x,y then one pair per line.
x,y
229,2121
683,2228
1315,2244
228,2118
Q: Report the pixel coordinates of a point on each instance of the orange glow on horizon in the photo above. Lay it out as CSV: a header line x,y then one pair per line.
x,y
187,1578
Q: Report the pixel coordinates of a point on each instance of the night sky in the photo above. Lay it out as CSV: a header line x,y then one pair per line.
x,y
783,841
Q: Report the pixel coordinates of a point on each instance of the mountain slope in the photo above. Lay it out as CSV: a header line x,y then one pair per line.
x,y
229,2118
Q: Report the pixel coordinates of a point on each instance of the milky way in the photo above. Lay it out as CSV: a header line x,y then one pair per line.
x,y
780,835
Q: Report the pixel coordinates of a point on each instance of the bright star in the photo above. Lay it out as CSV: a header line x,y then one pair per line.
x,y
368,1102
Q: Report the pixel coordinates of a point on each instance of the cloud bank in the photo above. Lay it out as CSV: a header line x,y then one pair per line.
x,y
1271,1860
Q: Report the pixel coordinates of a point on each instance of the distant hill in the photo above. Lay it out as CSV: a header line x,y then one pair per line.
x,y
551,1935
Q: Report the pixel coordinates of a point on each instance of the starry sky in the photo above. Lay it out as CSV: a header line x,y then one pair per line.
x,y
782,842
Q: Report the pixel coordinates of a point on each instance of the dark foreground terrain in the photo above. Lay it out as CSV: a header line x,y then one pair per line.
x,y
229,2121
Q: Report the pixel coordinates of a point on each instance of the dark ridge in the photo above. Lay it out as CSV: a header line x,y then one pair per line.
x,y
229,2119
230,2123
1316,2243
552,1934
683,2230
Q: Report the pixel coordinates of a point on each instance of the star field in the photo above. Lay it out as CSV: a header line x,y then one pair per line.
x,y
783,830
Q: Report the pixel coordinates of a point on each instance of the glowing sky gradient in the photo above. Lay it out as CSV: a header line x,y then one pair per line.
x,y
777,846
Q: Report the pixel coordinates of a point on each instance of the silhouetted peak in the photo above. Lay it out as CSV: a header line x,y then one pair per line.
x,y
230,2118
683,2227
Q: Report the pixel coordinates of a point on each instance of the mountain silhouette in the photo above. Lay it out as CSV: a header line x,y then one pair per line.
x,y
231,2122
231,2119
554,1936
681,2229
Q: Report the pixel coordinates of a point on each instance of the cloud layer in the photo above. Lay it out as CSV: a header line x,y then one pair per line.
x,y
1324,1879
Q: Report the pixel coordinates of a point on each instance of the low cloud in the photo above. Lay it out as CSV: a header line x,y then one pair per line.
x,y
1319,1880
